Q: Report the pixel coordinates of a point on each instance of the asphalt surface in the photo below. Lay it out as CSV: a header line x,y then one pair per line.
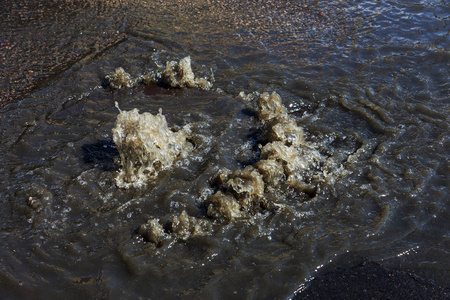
x,y
372,281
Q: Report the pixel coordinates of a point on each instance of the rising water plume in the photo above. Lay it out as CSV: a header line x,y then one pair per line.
x,y
146,145
176,74
287,163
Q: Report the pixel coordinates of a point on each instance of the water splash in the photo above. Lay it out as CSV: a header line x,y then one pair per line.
x,y
146,145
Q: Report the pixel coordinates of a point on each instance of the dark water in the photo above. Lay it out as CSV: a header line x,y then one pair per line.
x,y
367,81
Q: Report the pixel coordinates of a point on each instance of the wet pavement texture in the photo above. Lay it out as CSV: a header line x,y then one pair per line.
x,y
370,280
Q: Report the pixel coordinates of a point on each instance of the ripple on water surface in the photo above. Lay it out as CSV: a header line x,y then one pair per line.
x,y
362,117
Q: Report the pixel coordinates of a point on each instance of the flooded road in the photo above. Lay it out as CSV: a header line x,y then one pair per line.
x,y
348,159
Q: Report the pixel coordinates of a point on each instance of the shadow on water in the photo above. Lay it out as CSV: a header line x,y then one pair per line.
x,y
102,154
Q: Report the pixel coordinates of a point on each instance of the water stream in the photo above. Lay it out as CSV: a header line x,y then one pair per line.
x,y
366,84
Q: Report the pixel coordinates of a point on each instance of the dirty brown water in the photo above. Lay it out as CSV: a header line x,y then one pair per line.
x,y
368,83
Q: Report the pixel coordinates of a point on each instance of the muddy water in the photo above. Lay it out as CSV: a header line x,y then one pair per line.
x,y
367,83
